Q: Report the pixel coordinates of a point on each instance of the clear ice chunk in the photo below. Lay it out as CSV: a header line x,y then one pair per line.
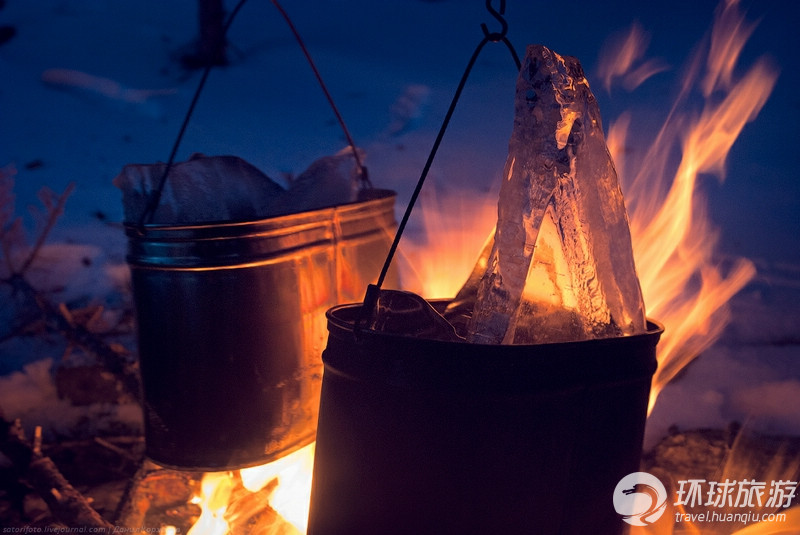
x,y
561,267
201,189
328,181
208,189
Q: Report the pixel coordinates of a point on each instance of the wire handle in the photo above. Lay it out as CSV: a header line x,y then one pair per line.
x,y
373,290
155,198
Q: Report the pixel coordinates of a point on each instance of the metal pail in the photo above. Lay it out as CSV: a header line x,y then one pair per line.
x,y
425,436
231,325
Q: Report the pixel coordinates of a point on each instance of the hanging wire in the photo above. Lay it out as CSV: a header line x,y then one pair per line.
x,y
155,198
362,170
493,37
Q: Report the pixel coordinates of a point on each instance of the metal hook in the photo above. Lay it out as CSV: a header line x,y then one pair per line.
x,y
496,36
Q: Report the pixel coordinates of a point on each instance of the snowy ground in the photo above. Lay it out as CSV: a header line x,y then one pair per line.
x,y
392,67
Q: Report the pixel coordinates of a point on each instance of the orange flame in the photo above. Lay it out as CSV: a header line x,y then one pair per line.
x,y
622,60
454,231
291,496
216,491
673,239
674,242
233,501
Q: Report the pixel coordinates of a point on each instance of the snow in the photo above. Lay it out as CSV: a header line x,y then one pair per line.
x,y
392,67
31,396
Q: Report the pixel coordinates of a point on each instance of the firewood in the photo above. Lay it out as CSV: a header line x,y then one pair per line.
x,y
154,489
66,503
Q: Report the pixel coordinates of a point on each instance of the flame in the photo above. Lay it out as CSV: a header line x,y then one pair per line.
x,y
674,242
293,474
216,491
685,287
233,500
622,59
437,260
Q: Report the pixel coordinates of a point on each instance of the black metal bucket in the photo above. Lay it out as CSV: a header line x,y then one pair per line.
x,y
425,436
231,326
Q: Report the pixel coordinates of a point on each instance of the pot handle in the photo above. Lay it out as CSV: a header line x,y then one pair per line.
x,y
373,290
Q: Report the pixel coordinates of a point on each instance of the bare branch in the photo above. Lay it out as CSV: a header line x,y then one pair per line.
x,y
54,211
60,320
65,502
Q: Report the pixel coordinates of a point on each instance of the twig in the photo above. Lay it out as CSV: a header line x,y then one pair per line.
x,y
59,318
53,213
122,452
77,334
67,504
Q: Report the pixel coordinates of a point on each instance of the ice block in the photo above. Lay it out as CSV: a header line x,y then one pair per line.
x,y
561,267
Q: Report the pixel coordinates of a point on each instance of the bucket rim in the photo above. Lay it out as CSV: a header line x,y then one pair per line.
x,y
401,361
333,315
206,463
370,197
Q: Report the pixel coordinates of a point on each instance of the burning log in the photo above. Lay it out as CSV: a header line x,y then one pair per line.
x,y
153,490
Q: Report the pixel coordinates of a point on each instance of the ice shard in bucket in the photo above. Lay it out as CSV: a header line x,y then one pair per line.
x,y
561,265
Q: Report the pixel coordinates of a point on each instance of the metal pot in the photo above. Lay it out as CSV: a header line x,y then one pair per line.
x,y
231,326
427,436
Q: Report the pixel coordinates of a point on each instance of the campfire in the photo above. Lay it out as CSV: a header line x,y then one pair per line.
x,y
683,286
672,237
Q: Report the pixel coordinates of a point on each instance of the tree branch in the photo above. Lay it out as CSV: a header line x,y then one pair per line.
x,y
54,211
79,335
65,502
